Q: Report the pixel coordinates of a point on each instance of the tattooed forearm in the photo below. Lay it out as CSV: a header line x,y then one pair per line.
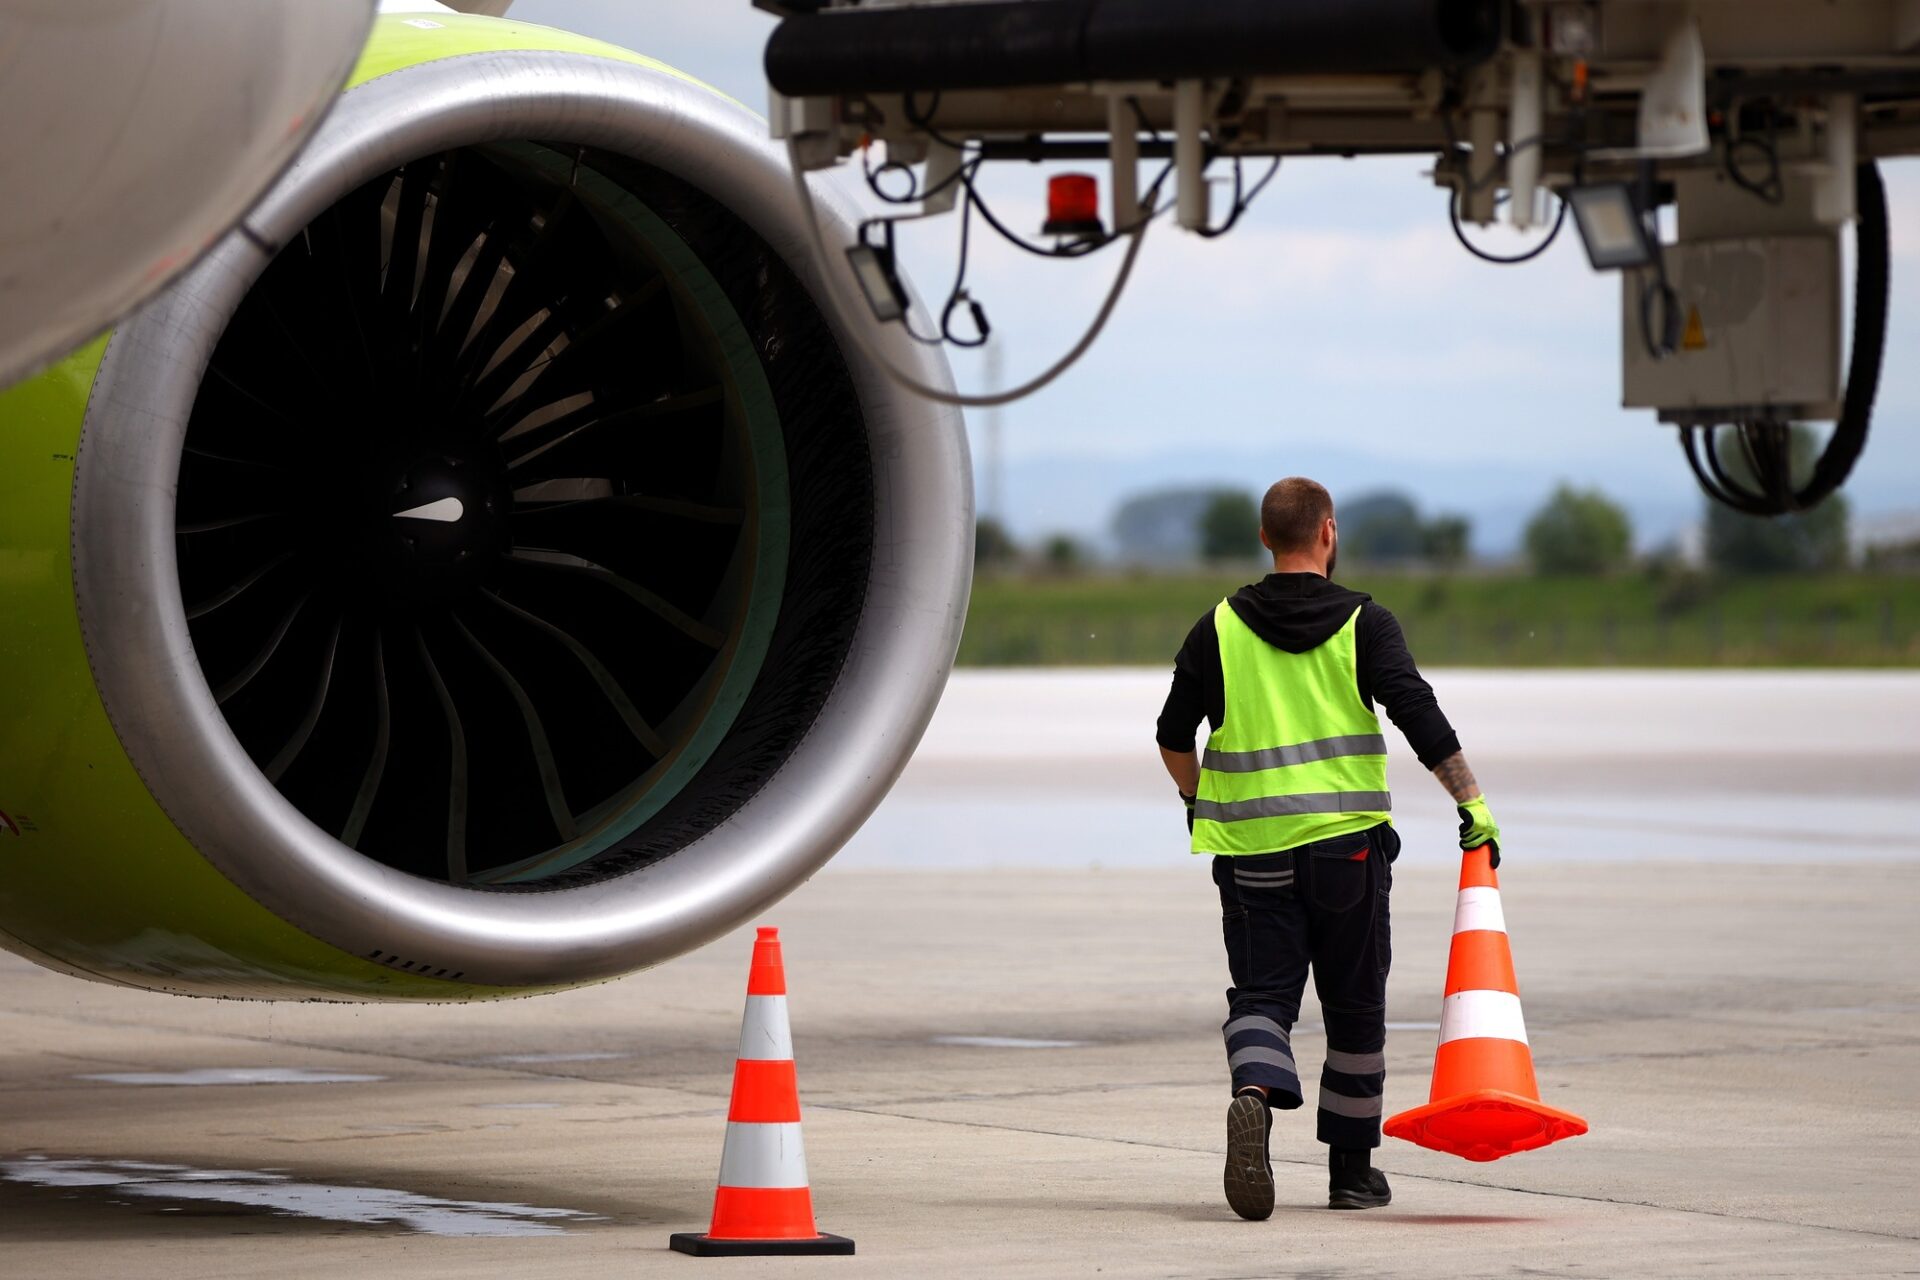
x,y
1457,778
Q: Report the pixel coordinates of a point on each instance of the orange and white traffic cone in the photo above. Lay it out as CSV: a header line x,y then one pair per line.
x,y
1484,1103
763,1205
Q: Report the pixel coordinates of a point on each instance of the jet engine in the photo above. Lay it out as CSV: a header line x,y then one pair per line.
x,y
492,568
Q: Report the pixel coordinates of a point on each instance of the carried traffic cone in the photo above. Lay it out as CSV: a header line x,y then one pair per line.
x,y
1484,1102
763,1204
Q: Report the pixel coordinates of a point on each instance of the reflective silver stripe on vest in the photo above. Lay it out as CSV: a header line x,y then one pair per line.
x,y
1354,744
1288,806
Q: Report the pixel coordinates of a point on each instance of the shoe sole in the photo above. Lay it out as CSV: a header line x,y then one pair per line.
x,y
1354,1200
1249,1179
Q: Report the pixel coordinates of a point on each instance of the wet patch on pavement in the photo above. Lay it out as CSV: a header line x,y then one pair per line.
x,y
280,1195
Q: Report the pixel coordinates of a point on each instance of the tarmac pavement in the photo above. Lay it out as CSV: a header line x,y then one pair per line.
x,y
1016,1069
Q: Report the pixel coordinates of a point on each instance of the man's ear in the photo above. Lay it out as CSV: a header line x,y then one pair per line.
x,y
1263,538
1327,533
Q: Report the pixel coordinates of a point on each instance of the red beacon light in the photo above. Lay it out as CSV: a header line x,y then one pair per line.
x,y
1073,206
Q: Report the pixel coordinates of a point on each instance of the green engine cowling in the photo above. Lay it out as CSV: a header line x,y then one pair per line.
x,y
490,570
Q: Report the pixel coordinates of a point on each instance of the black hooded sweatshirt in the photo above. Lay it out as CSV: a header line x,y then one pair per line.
x,y
1298,612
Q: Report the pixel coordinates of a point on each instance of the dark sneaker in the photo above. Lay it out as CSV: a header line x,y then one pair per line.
x,y
1366,1189
1249,1177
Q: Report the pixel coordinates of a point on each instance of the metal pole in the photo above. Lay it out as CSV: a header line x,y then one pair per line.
x,y
990,427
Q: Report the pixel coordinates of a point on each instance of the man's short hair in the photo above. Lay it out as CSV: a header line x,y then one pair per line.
x,y
1293,511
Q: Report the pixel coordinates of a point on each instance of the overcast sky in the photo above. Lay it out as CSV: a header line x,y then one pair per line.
x,y
1339,330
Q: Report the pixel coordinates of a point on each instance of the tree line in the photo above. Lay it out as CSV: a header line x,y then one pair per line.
x,y
1576,531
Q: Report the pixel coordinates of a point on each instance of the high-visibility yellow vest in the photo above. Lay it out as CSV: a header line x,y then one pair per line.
x,y
1297,756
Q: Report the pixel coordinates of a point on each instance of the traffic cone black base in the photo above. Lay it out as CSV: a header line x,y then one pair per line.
x,y
702,1245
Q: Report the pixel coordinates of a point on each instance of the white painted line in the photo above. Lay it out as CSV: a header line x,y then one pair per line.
x,y
231,1075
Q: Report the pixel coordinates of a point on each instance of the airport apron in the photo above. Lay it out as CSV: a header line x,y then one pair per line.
x,y
1293,802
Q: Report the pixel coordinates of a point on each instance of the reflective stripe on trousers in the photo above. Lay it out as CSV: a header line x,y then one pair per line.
x,y
1353,1081
1260,1051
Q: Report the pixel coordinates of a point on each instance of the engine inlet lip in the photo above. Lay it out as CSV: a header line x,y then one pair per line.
x,y
134,625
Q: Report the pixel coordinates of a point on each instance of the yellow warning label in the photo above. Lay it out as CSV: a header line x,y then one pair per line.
x,y
1694,337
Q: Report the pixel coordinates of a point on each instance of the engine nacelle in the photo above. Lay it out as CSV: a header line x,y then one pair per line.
x,y
493,570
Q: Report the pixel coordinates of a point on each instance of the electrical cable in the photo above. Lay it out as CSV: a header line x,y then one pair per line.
x,y
886,249
924,123
958,294
1241,203
891,166
906,323
964,174
1770,188
1659,288
1468,185
1503,260
1767,444
1507,153
1076,249
914,194
830,274
968,170
971,198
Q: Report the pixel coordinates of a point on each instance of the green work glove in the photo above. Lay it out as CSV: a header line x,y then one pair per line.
x,y
1477,827
1188,801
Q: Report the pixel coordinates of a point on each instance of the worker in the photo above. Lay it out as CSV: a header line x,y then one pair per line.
x,y
1291,800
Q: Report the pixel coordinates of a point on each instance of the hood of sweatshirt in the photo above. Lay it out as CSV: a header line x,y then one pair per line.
x,y
1295,611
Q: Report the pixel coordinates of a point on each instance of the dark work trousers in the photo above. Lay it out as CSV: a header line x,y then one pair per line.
x,y
1322,905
